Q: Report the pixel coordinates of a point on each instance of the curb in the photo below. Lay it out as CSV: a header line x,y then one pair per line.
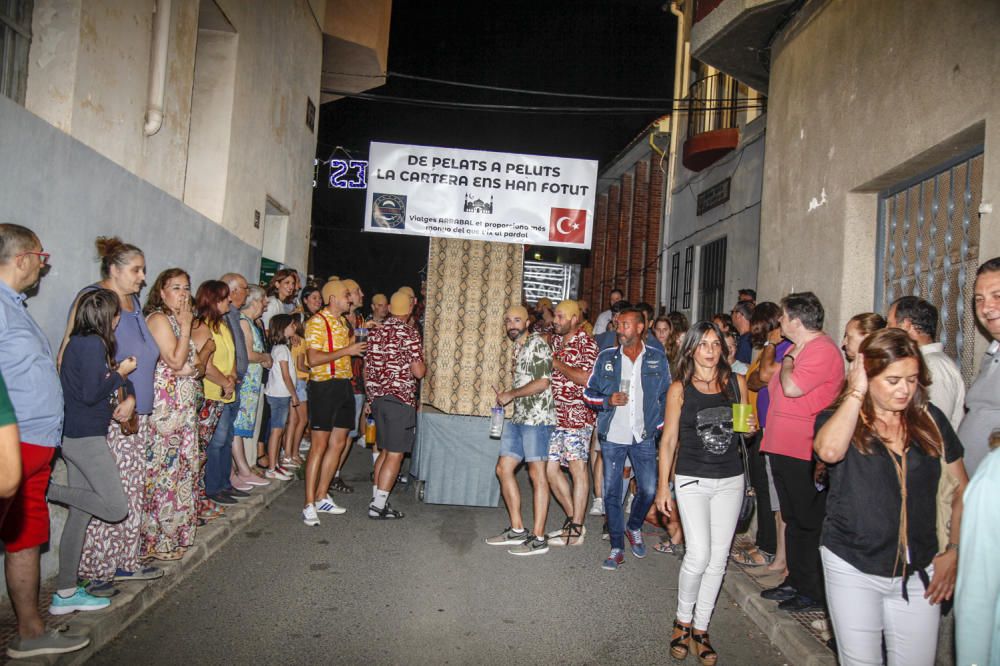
x,y
134,598
794,641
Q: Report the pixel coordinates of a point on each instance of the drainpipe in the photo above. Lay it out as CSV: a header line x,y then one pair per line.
x,y
682,56
157,68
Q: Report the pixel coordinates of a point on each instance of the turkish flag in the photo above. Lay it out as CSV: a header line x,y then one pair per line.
x,y
568,225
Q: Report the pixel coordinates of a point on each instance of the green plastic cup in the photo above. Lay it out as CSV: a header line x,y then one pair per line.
x,y
741,414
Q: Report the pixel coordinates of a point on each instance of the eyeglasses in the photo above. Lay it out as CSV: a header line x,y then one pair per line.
x,y
42,256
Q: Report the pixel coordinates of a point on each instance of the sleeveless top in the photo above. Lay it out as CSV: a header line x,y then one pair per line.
x,y
224,359
707,447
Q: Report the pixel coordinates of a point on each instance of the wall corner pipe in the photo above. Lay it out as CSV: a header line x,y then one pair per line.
x,y
157,68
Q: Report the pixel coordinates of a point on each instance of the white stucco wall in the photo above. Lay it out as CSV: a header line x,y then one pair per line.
x,y
88,76
738,219
864,95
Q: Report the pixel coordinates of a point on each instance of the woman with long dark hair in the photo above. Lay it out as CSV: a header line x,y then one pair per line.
x,y
90,377
112,550
698,428
883,442
210,332
170,513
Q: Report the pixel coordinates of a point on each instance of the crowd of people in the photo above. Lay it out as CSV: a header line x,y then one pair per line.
x,y
158,407
859,456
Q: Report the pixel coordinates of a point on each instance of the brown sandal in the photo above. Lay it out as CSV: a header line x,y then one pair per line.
x,y
679,641
703,649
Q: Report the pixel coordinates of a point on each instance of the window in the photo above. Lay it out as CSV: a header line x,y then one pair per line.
x,y
928,246
688,270
15,39
712,282
675,274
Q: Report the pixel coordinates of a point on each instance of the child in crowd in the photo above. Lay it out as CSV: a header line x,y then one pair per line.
x,y
280,390
90,379
298,417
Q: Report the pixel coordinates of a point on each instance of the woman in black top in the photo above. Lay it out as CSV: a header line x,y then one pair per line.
x,y
698,428
89,376
883,442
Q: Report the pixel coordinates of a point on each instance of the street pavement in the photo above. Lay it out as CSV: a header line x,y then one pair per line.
x,y
423,590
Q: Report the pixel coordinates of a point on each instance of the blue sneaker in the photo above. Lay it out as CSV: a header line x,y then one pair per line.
x,y
615,560
142,573
635,539
80,601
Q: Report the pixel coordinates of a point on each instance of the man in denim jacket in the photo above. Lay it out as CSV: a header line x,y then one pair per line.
x,y
628,389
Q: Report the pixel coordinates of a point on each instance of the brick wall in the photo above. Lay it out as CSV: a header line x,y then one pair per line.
x,y
626,239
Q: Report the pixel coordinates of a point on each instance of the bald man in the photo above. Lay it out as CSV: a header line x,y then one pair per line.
x,y
526,436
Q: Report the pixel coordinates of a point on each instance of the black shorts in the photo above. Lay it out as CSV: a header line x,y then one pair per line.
x,y
331,404
395,424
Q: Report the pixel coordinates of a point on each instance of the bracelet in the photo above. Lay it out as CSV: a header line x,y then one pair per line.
x,y
855,393
950,547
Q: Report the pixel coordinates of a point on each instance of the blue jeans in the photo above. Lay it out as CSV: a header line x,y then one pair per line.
x,y
643,457
220,450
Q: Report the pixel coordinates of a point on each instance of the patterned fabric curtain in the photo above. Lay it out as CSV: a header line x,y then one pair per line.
x,y
470,284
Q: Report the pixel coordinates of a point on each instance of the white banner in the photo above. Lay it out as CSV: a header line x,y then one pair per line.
x,y
480,195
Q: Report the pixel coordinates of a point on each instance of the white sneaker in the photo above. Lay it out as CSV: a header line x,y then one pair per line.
x,y
309,516
276,474
597,508
327,505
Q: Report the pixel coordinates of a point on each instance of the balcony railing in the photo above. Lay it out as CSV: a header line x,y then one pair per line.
x,y
713,104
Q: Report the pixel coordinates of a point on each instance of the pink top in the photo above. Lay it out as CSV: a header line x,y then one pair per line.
x,y
819,372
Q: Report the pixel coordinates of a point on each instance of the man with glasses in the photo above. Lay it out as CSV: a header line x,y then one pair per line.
x,y
29,368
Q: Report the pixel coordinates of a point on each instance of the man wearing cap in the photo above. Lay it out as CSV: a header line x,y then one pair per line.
x,y
545,319
573,356
329,347
355,321
526,436
413,299
394,363
585,324
380,310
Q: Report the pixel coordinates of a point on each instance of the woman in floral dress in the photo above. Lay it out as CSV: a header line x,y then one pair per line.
x,y
242,477
170,513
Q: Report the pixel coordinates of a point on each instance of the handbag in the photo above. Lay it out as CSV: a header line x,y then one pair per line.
x,y
749,495
129,426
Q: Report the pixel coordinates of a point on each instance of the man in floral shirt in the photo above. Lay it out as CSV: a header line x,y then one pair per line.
x,y
573,356
526,437
394,363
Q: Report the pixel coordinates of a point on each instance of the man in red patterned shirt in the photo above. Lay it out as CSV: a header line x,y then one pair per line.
x,y
394,363
573,356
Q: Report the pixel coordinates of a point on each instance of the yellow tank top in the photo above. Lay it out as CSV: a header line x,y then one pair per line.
x,y
297,351
224,359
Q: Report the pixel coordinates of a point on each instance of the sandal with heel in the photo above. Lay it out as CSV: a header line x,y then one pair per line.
x,y
679,641
703,649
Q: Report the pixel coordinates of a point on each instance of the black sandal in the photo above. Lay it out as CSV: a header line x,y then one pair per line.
x,y
699,643
575,531
385,513
338,485
679,641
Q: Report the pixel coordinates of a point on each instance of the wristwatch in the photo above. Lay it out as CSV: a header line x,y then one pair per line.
x,y
950,547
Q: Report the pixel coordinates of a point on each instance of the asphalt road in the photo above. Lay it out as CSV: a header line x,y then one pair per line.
x,y
424,590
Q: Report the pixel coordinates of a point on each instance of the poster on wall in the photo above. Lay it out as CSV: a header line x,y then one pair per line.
x,y
480,195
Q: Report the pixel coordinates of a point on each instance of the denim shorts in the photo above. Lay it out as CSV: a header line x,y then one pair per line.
x,y
279,411
529,443
300,390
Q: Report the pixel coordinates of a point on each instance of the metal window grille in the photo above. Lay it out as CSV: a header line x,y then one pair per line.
x,y
928,246
712,282
15,39
688,271
675,274
557,282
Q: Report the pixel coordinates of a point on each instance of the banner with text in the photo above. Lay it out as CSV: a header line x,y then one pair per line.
x,y
479,195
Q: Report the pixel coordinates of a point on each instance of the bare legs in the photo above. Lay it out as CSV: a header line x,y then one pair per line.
x,y
575,504
22,571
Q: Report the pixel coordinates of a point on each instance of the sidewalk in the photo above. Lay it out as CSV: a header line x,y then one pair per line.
x,y
800,636
135,597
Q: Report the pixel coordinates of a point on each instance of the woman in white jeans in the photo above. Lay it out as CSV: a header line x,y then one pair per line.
x,y
883,442
698,427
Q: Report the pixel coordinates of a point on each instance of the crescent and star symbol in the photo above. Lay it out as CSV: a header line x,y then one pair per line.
x,y
559,225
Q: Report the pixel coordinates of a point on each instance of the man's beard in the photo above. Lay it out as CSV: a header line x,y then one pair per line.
x,y
514,333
